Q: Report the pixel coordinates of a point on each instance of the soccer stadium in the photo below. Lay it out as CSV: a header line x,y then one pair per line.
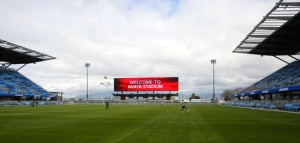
x,y
150,109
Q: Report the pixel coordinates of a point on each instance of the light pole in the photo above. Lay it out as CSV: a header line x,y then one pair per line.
x,y
87,65
213,61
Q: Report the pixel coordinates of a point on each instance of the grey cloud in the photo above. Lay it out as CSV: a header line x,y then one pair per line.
x,y
123,39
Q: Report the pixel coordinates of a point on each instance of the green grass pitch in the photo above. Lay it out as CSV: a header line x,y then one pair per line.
x,y
146,124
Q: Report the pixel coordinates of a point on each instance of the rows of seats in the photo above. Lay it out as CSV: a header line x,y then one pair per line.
x,y
245,104
284,77
294,107
29,103
12,82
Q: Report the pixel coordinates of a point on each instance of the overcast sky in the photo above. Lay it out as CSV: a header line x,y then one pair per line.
x,y
137,38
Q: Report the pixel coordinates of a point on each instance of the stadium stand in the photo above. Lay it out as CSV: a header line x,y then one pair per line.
x,y
14,85
277,34
292,107
288,76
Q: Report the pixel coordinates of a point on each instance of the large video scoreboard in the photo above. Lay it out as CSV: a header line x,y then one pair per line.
x,y
146,84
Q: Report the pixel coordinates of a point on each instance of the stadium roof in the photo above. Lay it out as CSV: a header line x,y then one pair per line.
x,y
278,33
15,54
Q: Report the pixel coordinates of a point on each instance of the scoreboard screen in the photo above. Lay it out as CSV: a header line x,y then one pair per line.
x,y
146,84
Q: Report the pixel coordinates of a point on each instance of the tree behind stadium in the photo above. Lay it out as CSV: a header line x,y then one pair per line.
x,y
227,94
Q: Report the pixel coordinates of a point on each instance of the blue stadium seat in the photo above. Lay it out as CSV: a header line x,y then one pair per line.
x,y
292,107
284,77
12,82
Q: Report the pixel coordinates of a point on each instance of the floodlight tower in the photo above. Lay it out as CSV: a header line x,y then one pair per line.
x,y
87,65
213,61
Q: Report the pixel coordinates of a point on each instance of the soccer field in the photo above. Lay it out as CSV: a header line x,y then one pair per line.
x,y
146,123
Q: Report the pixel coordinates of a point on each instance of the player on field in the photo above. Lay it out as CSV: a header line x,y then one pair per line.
x,y
107,105
184,107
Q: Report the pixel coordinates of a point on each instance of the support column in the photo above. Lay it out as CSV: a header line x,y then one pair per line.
x,y
153,96
168,97
123,97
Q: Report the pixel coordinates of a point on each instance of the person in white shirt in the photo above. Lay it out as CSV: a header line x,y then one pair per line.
x,y
184,107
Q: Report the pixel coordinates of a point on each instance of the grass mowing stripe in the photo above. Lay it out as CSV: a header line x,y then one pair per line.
x,y
205,132
242,125
145,123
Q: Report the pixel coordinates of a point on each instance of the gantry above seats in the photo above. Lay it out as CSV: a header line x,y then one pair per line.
x,y
14,54
277,34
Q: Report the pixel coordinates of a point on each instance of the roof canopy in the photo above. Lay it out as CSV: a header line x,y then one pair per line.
x,y
15,54
278,33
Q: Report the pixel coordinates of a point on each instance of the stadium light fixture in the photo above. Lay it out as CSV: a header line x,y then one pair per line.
x,y
87,65
213,61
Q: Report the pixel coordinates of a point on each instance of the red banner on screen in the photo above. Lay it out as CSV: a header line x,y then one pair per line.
x,y
146,84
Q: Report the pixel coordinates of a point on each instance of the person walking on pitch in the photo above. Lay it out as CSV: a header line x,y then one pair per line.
x,y
107,105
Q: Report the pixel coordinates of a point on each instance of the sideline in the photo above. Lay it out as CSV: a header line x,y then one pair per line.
x,y
275,110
